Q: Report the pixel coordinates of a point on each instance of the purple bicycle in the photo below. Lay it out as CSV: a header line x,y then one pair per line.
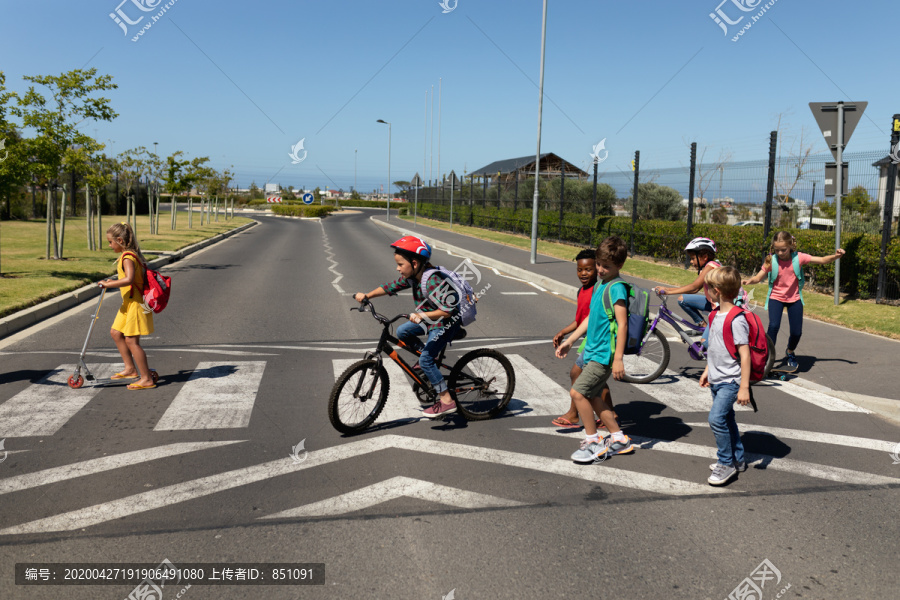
x,y
653,357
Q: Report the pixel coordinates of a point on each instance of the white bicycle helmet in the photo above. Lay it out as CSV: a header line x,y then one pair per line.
x,y
701,243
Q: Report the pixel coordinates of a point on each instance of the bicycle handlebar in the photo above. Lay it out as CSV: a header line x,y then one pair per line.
x,y
366,305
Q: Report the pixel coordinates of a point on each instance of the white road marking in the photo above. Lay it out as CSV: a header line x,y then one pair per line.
x,y
43,407
330,258
402,403
205,486
820,399
395,487
217,396
99,465
768,462
536,394
679,393
815,436
519,293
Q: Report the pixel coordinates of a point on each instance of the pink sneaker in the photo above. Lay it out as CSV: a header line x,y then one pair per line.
x,y
439,410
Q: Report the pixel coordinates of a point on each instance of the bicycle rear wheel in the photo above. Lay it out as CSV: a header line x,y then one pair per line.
x,y
482,383
651,362
358,396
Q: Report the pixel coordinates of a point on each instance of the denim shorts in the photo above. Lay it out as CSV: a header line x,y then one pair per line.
x,y
579,360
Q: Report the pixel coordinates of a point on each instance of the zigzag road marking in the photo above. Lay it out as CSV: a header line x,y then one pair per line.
x,y
99,465
198,488
43,407
769,462
395,487
216,396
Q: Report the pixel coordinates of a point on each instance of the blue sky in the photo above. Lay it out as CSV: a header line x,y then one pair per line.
x,y
242,82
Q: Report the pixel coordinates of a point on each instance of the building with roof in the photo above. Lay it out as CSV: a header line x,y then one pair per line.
x,y
513,169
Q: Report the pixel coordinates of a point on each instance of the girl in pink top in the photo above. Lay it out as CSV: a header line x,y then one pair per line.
x,y
786,287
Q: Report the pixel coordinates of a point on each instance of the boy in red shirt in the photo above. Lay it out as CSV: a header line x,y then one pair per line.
x,y
586,268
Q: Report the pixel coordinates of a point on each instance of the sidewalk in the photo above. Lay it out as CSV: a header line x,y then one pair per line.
x,y
855,366
30,316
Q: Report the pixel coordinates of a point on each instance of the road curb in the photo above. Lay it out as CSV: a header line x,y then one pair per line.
x,y
31,316
563,289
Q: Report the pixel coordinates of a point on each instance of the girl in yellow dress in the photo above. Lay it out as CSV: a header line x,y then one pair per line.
x,y
134,318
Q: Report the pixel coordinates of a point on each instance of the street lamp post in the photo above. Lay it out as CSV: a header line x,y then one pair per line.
x,y
154,220
537,162
388,217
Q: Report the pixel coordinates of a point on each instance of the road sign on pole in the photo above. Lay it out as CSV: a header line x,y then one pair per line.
x,y
842,118
308,198
831,178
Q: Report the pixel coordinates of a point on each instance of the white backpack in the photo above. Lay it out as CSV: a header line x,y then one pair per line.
x,y
464,292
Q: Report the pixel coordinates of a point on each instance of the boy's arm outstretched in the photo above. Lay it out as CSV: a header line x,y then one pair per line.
x,y
379,291
564,331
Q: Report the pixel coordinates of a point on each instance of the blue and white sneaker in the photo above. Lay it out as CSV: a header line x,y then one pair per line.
x,y
791,360
588,451
739,467
722,474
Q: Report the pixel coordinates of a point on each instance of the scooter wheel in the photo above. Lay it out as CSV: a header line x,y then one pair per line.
x,y
783,377
74,382
154,375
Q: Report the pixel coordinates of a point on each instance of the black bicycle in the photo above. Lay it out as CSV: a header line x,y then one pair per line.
x,y
481,382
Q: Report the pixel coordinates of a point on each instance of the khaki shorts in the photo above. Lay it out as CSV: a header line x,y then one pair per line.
x,y
592,379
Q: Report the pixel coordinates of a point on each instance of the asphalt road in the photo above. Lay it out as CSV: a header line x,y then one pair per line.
x,y
199,470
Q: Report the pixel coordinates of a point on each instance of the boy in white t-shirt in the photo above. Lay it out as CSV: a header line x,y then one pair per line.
x,y
727,378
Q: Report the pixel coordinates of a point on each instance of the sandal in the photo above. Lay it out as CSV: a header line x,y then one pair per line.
x,y
123,376
137,386
565,423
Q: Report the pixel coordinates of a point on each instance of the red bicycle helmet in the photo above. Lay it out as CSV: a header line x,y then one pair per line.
x,y
416,245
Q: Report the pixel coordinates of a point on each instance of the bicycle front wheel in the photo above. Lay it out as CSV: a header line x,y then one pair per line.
x,y
358,396
651,362
482,383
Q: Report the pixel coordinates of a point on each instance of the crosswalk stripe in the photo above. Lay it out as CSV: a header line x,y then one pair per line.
x,y
99,465
680,394
44,407
217,396
815,436
536,395
820,399
768,462
401,404
205,486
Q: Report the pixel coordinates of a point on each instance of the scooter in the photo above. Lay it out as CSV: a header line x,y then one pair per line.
x,y
76,381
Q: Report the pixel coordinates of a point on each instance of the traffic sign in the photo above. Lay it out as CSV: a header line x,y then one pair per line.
x,y
831,175
826,114
416,181
271,199
308,198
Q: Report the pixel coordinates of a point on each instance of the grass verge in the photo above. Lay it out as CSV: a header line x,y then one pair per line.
x,y
28,278
862,315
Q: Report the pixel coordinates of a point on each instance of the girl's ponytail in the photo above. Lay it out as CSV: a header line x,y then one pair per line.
x,y
124,232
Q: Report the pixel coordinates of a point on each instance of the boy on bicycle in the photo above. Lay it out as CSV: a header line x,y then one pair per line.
x,y
603,356
436,316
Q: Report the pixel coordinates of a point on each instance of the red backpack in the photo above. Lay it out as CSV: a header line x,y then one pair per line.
x,y
156,292
759,346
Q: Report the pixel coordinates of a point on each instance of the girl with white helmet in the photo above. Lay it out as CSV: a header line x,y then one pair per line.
x,y
702,252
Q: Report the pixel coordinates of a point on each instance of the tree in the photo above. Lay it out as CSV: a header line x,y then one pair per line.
x,y
720,216
789,171
175,181
659,202
57,129
78,160
317,194
706,172
131,166
198,174
255,191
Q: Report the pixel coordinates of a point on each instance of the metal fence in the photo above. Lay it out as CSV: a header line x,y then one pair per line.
x,y
726,193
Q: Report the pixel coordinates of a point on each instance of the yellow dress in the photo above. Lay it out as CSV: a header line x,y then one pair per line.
x,y
133,318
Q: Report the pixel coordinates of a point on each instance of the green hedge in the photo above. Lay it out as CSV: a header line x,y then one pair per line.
x,y
302,210
742,247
